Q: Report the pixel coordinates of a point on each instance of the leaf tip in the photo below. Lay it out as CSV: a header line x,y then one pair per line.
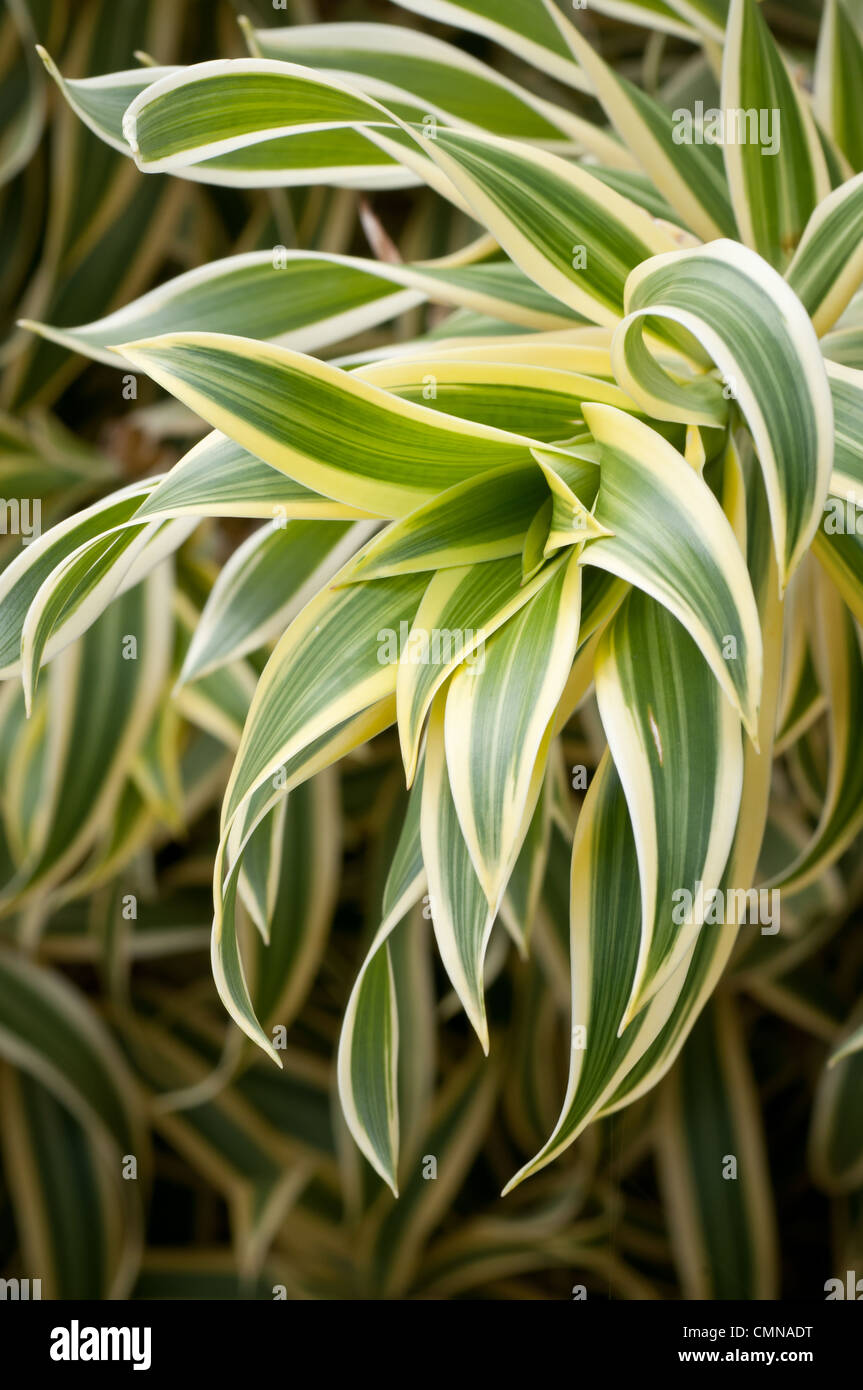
x,y
517,1179
641,995
751,719
410,754
48,62
130,133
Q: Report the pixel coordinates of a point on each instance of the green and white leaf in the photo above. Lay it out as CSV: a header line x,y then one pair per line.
x,y
774,191
100,703
605,932
837,78
289,882
676,744
368,1056
523,27
324,427
498,721
827,268
461,606
33,566
264,585
691,564
537,400
568,232
220,478
306,300
460,912
690,175
259,122
482,519
395,62
716,293
714,946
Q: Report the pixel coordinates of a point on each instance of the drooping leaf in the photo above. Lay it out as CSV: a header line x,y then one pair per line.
x,y
692,564
676,744
718,293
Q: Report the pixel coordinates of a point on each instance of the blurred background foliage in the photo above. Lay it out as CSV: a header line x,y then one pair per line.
x,y
146,1150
